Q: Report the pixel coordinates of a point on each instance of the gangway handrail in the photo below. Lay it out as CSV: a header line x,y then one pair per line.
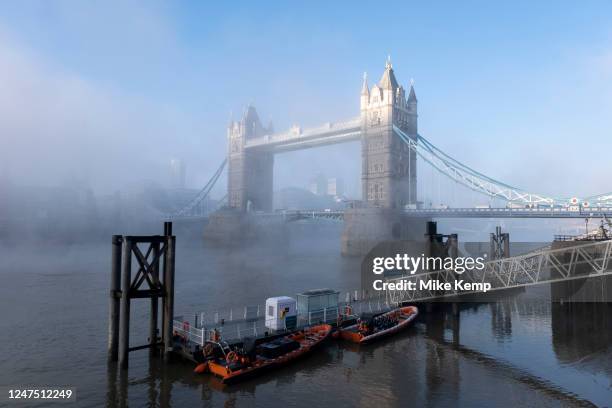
x,y
595,260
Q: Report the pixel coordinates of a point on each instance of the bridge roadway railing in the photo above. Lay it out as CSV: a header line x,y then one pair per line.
x,y
584,260
503,212
295,215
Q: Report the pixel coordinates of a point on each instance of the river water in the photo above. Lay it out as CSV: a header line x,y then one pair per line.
x,y
519,351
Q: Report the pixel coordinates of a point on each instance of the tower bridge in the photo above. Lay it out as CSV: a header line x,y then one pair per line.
x,y
387,129
388,163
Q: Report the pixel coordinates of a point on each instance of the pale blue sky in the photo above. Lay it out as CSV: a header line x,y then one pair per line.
x,y
520,91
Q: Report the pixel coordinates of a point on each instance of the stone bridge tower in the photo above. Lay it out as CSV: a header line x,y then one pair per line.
x,y
250,172
388,164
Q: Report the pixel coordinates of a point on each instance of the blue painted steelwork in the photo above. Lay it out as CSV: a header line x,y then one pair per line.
x,y
481,183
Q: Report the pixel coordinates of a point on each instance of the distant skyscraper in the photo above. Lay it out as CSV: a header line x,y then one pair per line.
x,y
177,173
335,187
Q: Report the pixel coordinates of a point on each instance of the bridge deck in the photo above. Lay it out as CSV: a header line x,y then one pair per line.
x,y
510,212
295,215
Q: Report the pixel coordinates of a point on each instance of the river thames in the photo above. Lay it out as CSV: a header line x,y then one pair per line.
x,y
520,351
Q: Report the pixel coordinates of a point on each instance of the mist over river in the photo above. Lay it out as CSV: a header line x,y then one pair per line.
x,y
519,351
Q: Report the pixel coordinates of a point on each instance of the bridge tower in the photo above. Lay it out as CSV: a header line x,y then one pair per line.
x,y
250,172
388,165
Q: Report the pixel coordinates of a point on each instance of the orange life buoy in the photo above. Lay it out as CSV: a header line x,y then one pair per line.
x,y
231,357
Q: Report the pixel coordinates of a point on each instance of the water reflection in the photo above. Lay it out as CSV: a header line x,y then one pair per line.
x,y
581,329
422,365
501,320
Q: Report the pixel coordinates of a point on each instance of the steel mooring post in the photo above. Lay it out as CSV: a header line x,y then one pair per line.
x,y
124,335
114,302
453,246
168,228
153,332
506,245
169,295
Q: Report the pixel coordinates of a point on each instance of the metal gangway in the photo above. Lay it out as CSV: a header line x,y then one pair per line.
x,y
586,259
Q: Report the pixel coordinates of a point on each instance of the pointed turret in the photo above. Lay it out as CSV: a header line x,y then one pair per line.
x,y
412,95
250,114
251,123
412,127
365,90
388,80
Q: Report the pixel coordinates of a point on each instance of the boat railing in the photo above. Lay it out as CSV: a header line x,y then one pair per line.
x,y
367,306
248,321
246,313
189,332
242,332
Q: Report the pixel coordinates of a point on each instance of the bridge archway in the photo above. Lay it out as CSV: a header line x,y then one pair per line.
x,y
319,178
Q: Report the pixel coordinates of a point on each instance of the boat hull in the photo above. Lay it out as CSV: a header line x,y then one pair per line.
x,y
406,315
308,339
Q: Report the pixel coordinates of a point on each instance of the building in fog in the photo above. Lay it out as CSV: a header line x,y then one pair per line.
x,y
318,185
335,187
323,186
177,173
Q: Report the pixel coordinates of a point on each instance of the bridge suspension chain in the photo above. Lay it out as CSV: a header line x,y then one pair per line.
x,y
479,182
202,194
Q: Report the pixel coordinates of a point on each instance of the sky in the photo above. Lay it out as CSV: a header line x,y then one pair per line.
x,y
105,93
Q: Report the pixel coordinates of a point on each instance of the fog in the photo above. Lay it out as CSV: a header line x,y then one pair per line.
x,y
96,100
58,128
79,156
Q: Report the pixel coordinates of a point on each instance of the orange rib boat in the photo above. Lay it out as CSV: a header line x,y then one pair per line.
x,y
374,327
235,364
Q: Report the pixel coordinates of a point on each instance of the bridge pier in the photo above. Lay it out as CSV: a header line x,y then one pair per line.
x,y
229,227
364,228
